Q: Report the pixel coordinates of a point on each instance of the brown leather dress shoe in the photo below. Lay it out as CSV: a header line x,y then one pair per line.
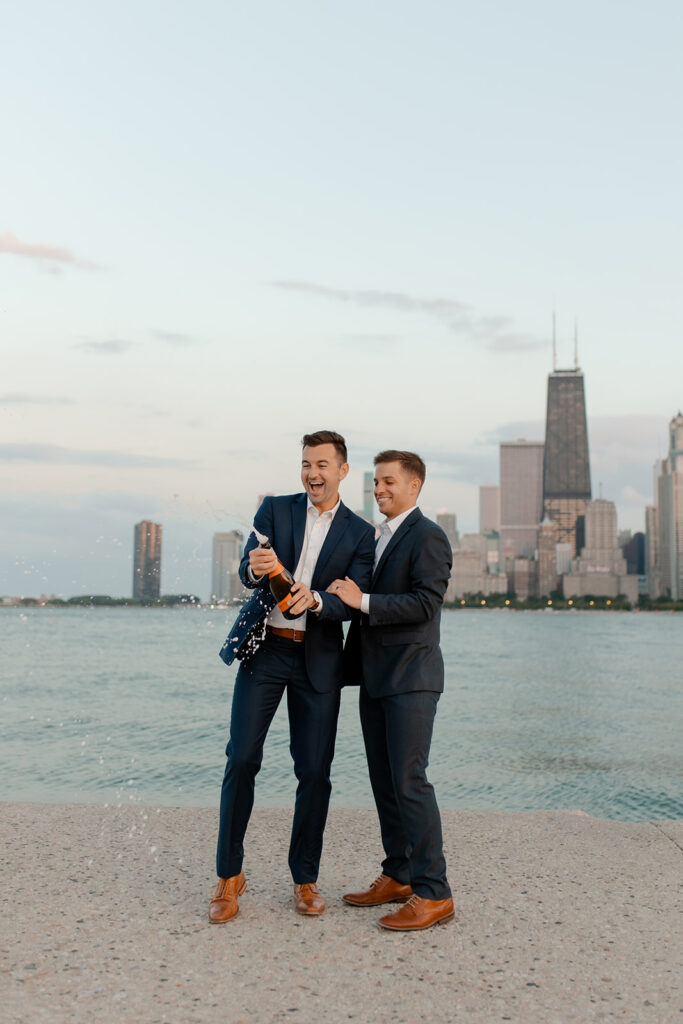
x,y
419,913
224,904
383,890
307,899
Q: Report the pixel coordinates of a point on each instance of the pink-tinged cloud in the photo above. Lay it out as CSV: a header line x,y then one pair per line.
x,y
51,254
494,332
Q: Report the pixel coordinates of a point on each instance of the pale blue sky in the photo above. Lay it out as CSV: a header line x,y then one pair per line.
x,y
223,225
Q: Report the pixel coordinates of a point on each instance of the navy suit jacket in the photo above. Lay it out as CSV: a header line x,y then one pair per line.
x,y
395,649
348,550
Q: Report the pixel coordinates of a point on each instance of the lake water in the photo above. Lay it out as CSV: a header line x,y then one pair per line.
x,y
541,710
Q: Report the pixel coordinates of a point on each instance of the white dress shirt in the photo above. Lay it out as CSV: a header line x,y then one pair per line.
x,y
387,529
317,527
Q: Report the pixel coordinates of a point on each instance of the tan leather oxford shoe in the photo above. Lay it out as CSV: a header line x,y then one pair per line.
x,y
307,899
419,913
383,890
224,904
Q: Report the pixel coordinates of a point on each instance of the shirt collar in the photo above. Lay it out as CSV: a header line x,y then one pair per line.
x,y
331,512
393,524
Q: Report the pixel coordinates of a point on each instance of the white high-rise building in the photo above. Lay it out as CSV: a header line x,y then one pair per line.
x,y
521,495
489,508
225,577
449,524
368,512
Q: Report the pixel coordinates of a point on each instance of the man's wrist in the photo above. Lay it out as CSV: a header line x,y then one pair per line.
x,y
365,604
253,578
316,607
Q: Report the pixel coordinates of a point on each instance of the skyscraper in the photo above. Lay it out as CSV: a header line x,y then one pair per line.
x,y
227,552
489,508
547,558
448,523
147,561
368,495
521,496
670,514
566,469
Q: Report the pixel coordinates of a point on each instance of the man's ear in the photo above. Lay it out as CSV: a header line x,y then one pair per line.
x,y
343,470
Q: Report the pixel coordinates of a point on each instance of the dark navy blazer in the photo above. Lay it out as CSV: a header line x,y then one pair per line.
x,y
395,649
348,550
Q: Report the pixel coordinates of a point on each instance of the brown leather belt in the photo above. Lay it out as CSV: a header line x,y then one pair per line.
x,y
298,635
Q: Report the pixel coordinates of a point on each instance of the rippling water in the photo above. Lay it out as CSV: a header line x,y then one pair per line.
x,y
541,710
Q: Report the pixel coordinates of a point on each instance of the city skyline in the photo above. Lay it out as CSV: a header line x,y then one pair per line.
x,y
187,575
382,251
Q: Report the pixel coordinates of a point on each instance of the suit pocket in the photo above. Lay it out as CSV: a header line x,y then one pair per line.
x,y
390,639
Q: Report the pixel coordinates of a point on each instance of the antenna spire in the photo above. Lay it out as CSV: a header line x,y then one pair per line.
x,y
554,344
576,344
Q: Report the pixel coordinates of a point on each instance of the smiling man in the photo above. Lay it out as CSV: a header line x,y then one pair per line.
x,y
318,539
393,651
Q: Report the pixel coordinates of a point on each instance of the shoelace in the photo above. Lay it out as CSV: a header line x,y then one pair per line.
x,y
380,878
413,900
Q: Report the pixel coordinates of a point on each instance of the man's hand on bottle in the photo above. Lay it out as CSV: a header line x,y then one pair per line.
x,y
305,599
262,561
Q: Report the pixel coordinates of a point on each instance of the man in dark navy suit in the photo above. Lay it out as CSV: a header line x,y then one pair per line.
x,y
318,539
393,650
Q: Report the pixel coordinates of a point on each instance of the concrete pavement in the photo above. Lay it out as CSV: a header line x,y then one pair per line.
x,y
560,917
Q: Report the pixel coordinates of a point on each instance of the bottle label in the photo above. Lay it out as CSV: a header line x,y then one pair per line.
x,y
286,602
277,570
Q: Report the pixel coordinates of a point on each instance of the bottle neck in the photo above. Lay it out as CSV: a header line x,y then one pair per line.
x,y
279,568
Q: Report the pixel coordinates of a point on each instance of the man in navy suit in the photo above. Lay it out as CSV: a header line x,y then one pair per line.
x,y
393,651
318,539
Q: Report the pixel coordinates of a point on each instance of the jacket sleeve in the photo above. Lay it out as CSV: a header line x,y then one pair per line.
x,y
360,571
430,569
263,521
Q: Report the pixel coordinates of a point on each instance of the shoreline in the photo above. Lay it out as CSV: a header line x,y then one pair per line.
x,y
286,805
471,604
559,916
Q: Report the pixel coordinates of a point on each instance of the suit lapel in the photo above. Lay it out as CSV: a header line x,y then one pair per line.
x,y
334,535
299,509
396,539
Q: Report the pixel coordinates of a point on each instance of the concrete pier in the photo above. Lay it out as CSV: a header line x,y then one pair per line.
x,y
560,917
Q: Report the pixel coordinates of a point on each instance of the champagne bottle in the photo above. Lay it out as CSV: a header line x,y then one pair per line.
x,y
281,582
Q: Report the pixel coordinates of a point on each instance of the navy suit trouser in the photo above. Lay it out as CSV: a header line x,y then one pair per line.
x,y
278,665
398,733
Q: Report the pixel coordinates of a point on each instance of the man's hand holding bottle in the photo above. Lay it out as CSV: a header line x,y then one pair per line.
x,y
263,561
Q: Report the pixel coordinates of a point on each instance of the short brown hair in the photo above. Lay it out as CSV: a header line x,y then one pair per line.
x,y
410,462
326,437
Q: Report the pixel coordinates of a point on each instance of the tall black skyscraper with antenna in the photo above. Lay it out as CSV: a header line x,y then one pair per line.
x,y
566,467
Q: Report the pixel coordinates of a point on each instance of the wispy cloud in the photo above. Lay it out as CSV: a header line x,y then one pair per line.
x,y
18,399
115,346
175,338
55,255
496,333
57,455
